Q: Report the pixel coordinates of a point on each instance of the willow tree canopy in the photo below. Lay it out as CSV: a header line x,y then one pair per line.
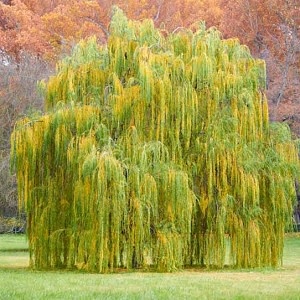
x,y
155,152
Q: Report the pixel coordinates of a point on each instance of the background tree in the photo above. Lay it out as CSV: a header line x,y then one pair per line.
x,y
21,30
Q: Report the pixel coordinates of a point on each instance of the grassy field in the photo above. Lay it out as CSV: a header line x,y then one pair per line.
x,y
17,281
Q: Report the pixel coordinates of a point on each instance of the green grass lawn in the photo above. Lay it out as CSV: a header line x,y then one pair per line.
x,y
17,281
13,242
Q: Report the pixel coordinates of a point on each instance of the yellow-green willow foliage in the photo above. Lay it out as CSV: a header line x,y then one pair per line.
x,y
154,152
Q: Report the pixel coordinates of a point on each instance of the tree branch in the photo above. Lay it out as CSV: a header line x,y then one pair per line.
x,y
158,11
99,24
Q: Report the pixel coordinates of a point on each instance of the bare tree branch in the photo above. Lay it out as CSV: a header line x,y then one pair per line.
x,y
158,10
99,24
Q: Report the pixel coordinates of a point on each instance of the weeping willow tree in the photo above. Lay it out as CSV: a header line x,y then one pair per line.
x,y
153,151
